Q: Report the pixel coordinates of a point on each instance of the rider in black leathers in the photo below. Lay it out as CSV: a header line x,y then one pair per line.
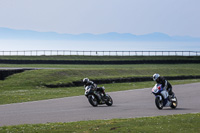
x,y
87,82
165,84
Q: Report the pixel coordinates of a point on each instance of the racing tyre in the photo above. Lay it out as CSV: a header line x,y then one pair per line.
x,y
109,100
159,103
92,100
174,103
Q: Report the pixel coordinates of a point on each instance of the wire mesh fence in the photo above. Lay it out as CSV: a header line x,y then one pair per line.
x,y
97,53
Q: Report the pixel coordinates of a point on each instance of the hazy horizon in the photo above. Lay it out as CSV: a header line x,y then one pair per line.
x,y
137,17
179,17
13,45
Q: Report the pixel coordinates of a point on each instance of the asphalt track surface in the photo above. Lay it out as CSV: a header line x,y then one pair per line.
x,y
127,104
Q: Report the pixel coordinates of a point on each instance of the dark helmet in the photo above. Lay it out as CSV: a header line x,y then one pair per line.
x,y
85,80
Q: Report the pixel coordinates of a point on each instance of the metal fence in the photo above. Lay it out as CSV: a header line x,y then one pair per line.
x,y
97,53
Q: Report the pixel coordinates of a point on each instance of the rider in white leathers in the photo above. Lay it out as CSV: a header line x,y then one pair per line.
x,y
165,84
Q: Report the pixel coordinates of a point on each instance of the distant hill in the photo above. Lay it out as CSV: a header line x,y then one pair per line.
x,y
6,33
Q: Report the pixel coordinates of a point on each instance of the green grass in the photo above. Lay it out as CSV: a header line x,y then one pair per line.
x,y
83,67
26,94
30,85
186,123
70,73
102,58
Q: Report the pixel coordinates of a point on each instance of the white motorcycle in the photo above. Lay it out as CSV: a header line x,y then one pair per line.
x,y
162,98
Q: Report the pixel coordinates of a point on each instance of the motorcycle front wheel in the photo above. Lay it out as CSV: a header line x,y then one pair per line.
x,y
159,103
92,100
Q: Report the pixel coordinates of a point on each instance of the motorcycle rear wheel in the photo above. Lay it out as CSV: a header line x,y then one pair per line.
x,y
174,103
109,100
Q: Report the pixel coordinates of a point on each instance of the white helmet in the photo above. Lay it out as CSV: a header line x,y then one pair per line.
x,y
85,80
156,76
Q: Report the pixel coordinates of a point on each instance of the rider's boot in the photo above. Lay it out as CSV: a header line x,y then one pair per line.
x,y
104,95
171,96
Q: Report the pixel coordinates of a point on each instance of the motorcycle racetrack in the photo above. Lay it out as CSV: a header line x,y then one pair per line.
x,y
126,104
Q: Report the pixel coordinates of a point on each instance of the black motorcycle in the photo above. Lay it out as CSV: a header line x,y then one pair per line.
x,y
96,98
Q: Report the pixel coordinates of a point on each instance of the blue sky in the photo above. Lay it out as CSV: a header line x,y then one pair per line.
x,y
138,17
172,17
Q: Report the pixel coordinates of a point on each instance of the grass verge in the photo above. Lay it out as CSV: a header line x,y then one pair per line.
x,y
30,85
184,123
100,58
38,78
41,93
